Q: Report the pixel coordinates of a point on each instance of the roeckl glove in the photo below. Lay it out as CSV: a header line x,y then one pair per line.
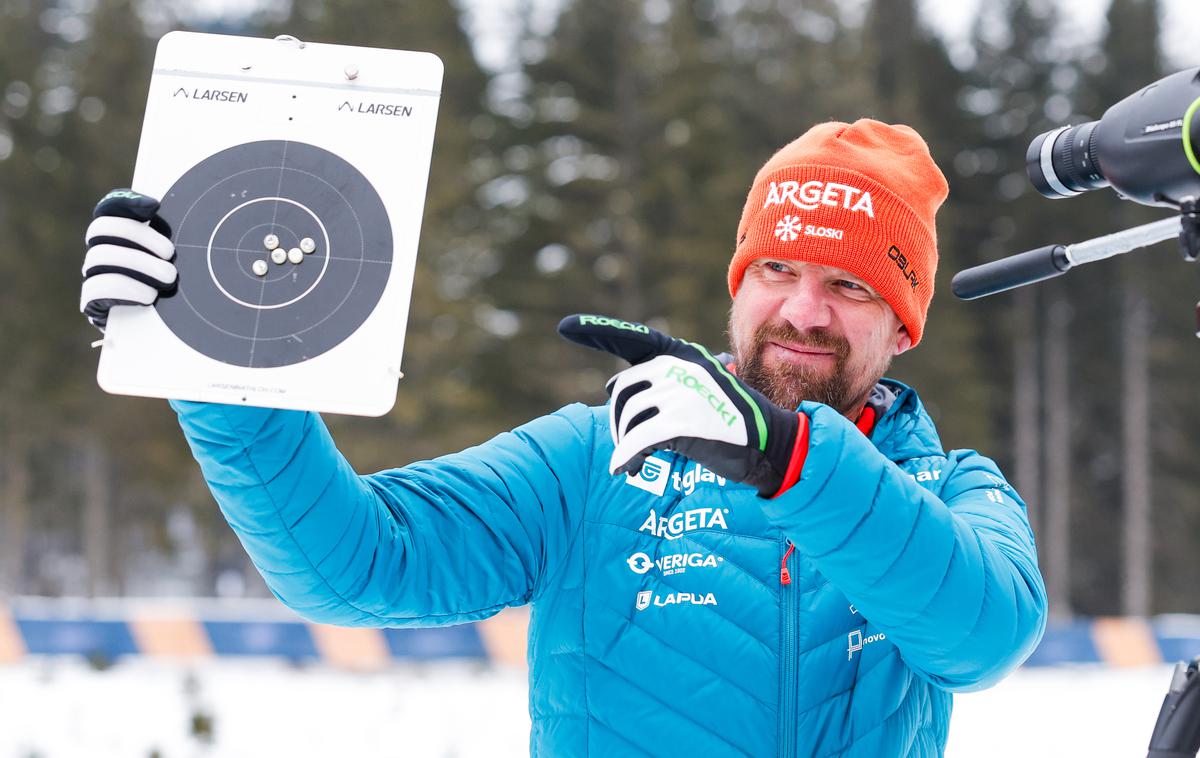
x,y
677,396
129,254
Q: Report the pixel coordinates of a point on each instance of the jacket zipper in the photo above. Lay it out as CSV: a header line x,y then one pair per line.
x,y
787,663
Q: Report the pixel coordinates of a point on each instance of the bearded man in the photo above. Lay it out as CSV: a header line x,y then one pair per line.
x,y
770,557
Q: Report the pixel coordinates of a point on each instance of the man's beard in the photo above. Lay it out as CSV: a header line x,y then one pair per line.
x,y
787,384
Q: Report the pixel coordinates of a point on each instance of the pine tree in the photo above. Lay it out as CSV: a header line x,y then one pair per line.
x,y
1017,87
635,175
23,41
1111,312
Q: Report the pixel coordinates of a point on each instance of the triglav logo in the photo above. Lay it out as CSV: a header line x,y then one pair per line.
x,y
812,194
686,482
645,599
680,523
855,641
652,477
675,563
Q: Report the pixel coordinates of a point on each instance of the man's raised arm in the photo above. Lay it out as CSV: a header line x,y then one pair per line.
x,y
438,542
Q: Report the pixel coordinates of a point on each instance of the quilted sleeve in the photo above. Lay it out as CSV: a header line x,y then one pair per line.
x,y
437,542
952,581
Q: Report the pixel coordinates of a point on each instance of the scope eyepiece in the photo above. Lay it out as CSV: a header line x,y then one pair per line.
x,y
1063,162
1144,147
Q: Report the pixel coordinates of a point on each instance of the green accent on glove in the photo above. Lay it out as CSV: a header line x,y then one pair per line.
x,y
759,422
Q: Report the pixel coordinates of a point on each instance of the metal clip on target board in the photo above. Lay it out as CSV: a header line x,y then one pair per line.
x,y
293,177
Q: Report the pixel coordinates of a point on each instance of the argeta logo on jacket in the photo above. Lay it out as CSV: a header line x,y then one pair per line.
x,y
679,523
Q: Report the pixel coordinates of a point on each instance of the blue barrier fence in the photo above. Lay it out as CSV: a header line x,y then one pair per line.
x,y
114,629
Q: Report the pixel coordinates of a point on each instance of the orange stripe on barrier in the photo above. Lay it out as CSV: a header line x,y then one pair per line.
x,y
12,647
351,647
506,636
1125,642
170,636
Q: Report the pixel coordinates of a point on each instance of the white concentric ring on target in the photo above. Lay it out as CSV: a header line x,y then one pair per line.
x,y
324,265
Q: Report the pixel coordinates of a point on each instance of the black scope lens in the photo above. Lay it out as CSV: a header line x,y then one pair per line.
x,y
1063,162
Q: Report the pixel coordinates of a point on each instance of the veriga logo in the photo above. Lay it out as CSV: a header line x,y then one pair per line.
x,y
812,194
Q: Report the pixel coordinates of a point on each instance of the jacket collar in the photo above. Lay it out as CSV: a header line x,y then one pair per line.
x,y
903,430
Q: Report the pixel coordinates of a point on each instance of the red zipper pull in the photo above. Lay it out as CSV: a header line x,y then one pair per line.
x,y
785,576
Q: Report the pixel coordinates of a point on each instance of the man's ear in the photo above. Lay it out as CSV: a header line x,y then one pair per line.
x,y
903,341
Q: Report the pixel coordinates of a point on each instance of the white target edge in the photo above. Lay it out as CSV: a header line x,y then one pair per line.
x,y
342,89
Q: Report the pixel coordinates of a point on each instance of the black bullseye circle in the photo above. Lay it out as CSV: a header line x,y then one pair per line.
x,y
223,208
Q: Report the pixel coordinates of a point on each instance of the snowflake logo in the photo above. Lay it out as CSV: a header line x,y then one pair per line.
x,y
788,228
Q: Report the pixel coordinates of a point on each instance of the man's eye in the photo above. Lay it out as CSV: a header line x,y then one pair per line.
x,y
777,267
850,285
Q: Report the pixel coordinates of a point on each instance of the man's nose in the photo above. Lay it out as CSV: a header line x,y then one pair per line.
x,y
807,305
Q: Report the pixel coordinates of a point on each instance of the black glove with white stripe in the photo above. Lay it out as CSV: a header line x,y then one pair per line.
x,y
129,256
678,396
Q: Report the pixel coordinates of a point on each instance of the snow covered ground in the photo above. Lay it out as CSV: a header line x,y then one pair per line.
x,y
54,708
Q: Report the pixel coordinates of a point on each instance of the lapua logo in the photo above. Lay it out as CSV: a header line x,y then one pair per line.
x,y
681,522
813,194
644,600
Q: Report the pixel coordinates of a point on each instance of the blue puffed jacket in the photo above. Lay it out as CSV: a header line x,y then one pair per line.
x,y
673,613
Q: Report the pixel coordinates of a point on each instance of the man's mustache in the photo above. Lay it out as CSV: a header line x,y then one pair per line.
x,y
819,338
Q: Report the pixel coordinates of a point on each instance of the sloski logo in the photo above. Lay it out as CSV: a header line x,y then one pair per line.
x,y
813,194
680,523
788,228
646,598
791,227
675,563
652,477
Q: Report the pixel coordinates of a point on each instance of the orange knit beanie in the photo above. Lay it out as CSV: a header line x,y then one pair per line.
x,y
860,197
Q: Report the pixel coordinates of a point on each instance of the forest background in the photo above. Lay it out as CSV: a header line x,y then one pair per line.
x,y
602,167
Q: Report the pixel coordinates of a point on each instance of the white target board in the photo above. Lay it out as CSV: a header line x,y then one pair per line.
x,y
293,177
